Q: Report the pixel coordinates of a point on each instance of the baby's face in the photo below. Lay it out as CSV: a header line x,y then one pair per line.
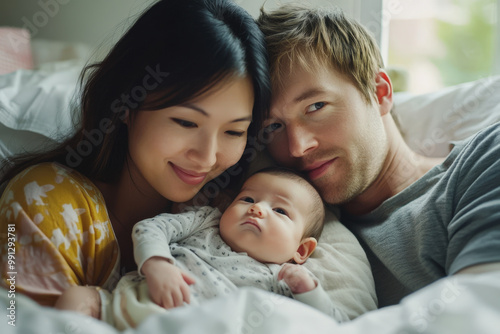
x,y
268,218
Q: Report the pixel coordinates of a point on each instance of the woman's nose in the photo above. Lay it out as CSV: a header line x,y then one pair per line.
x,y
205,152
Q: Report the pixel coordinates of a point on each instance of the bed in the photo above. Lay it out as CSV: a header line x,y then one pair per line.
x,y
37,103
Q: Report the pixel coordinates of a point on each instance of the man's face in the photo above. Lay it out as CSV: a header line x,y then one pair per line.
x,y
321,125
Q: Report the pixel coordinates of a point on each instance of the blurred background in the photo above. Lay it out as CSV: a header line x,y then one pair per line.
x,y
426,44
443,42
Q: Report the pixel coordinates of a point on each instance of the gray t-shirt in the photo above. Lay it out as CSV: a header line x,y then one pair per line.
x,y
446,221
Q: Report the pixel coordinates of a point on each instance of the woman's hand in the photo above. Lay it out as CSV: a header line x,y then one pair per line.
x,y
168,285
297,278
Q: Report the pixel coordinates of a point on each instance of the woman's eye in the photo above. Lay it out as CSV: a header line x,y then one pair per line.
x,y
247,199
272,127
183,123
315,106
236,133
281,211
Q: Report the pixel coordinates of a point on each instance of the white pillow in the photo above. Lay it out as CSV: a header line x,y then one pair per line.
x,y
35,105
430,121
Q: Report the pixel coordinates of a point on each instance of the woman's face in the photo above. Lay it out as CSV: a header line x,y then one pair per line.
x,y
176,150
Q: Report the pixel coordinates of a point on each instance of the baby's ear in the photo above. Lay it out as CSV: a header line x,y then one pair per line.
x,y
306,247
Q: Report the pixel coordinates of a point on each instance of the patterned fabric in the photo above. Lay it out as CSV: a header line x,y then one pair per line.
x,y
62,233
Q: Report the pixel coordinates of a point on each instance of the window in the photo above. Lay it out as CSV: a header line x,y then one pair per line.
x,y
438,43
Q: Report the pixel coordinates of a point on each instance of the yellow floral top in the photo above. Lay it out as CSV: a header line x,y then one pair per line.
x,y
54,233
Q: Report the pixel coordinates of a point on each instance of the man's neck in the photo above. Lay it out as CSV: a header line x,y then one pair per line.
x,y
401,168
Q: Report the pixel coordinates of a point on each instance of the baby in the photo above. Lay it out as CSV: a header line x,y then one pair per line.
x,y
260,240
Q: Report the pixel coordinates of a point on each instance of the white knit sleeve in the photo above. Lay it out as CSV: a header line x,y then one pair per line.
x,y
153,236
320,300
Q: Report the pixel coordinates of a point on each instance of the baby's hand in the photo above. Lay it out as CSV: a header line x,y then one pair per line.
x,y
297,278
168,285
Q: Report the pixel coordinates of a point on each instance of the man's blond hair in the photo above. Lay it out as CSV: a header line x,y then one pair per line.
x,y
297,35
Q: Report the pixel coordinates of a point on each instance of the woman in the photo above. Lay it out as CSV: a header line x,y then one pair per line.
x,y
169,109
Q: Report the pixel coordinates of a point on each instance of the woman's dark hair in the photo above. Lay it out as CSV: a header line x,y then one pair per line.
x,y
175,51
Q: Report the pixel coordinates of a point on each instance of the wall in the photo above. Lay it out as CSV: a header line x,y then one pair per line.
x,y
98,22
88,21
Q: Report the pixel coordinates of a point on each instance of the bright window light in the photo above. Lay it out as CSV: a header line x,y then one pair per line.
x,y
437,43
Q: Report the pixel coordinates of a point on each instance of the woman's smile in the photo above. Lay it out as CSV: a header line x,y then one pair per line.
x,y
188,176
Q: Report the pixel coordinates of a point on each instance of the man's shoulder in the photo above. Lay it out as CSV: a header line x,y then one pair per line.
x,y
487,137
481,148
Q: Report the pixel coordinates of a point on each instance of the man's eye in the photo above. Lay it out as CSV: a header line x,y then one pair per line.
x,y
247,199
183,123
281,211
273,127
315,106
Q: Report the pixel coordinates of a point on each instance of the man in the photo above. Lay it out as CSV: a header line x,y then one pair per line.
x,y
418,218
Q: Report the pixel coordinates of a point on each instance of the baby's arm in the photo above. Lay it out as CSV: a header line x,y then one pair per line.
x,y
308,290
153,236
297,278
168,285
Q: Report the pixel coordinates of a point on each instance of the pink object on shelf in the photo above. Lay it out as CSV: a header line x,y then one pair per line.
x,y
15,50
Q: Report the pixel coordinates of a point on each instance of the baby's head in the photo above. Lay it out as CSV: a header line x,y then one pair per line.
x,y
277,217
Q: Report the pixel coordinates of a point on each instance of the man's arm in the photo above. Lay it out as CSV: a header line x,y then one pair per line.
x,y
474,233
480,268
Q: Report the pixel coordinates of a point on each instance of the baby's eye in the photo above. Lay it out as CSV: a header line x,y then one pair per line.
x,y
247,199
183,123
281,211
315,106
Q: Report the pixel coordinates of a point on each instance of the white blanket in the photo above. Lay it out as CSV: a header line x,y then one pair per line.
x,y
458,304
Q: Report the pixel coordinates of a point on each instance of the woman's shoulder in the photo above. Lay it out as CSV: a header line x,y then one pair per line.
x,y
52,175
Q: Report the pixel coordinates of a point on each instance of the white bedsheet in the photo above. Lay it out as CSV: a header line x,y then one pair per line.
x,y
462,304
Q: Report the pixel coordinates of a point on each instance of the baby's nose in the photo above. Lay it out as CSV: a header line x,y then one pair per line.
x,y
256,210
